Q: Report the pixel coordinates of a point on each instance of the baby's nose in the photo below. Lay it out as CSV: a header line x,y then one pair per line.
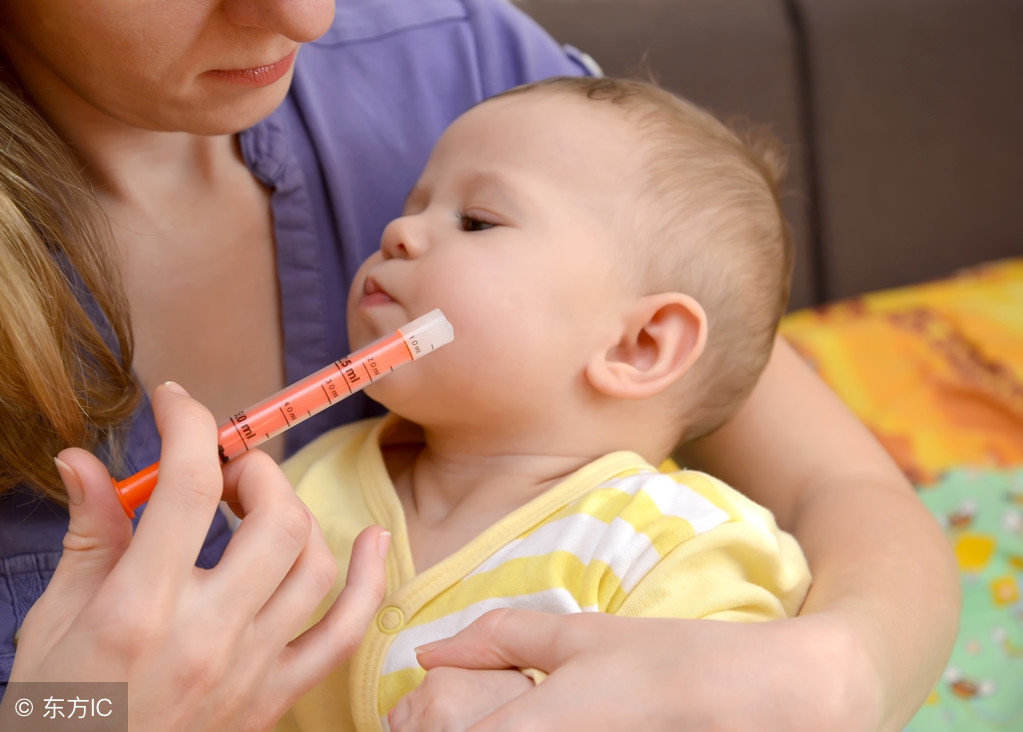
x,y
402,240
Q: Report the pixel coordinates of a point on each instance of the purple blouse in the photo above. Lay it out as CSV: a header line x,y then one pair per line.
x,y
341,153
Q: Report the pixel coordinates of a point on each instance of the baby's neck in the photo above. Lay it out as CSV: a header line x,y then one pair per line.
x,y
451,492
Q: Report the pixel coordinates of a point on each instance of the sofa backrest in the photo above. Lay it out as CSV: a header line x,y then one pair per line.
x,y
903,118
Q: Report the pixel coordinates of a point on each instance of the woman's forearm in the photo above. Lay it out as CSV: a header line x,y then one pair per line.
x,y
883,570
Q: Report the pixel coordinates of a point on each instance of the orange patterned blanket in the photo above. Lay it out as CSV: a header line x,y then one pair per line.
x,y
936,371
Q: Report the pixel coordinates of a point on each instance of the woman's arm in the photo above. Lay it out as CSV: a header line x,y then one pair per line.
x,y
199,649
882,566
873,634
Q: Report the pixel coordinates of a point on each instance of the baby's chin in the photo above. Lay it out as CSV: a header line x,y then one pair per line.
x,y
412,406
395,396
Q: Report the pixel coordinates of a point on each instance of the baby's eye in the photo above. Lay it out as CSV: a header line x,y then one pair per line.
x,y
473,223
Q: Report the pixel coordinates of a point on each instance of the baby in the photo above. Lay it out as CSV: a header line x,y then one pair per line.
x,y
614,263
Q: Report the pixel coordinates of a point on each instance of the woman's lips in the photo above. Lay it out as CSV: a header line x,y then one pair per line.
x,y
258,76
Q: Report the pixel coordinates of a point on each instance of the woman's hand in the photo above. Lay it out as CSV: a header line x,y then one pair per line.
x,y
613,673
199,649
452,699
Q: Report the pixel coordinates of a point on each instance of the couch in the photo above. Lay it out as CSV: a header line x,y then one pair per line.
x,y
903,118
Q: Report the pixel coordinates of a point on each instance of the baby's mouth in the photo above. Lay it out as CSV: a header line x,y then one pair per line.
x,y
374,294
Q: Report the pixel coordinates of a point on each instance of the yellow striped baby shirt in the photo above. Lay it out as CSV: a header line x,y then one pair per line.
x,y
617,536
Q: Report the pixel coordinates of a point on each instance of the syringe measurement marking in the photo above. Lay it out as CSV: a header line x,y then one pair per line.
x,y
285,410
245,431
350,379
409,344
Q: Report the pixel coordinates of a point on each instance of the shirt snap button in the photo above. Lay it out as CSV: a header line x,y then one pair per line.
x,y
390,620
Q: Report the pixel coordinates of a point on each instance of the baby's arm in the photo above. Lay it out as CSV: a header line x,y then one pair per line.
x,y
743,570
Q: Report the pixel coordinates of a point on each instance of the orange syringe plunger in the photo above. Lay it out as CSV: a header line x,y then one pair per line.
x,y
272,416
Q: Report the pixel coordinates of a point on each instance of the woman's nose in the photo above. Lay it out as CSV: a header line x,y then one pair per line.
x,y
402,239
297,21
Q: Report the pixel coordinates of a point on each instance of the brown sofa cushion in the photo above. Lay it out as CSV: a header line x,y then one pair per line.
x,y
735,57
918,110
904,118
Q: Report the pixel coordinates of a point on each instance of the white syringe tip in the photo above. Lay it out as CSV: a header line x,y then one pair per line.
x,y
426,333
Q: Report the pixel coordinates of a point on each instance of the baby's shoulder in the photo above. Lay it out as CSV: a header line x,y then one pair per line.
x,y
649,498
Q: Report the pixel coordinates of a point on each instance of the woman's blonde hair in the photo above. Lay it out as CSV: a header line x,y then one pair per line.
x,y
61,382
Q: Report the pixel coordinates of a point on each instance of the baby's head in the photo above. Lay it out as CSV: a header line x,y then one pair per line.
x,y
707,223
624,234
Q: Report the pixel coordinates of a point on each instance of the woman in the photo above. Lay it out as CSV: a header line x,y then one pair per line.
x,y
64,359
246,178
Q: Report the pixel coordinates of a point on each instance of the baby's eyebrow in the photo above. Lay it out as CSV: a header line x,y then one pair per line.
x,y
506,188
513,195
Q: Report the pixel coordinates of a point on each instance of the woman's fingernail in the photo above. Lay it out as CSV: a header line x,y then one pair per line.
x,y
427,647
175,387
383,543
72,483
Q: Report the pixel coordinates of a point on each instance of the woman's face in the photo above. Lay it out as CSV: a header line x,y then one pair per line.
x,y
203,66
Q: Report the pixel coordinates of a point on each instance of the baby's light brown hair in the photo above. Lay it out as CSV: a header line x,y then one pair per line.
x,y
710,222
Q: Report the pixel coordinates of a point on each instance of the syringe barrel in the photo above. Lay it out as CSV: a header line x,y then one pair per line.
x,y
293,404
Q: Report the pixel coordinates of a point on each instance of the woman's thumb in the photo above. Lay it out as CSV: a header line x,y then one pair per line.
x,y
98,533
99,530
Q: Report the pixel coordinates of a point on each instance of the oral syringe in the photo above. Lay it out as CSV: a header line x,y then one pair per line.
x,y
293,404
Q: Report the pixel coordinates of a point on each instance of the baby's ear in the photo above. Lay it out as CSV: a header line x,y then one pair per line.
x,y
662,337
